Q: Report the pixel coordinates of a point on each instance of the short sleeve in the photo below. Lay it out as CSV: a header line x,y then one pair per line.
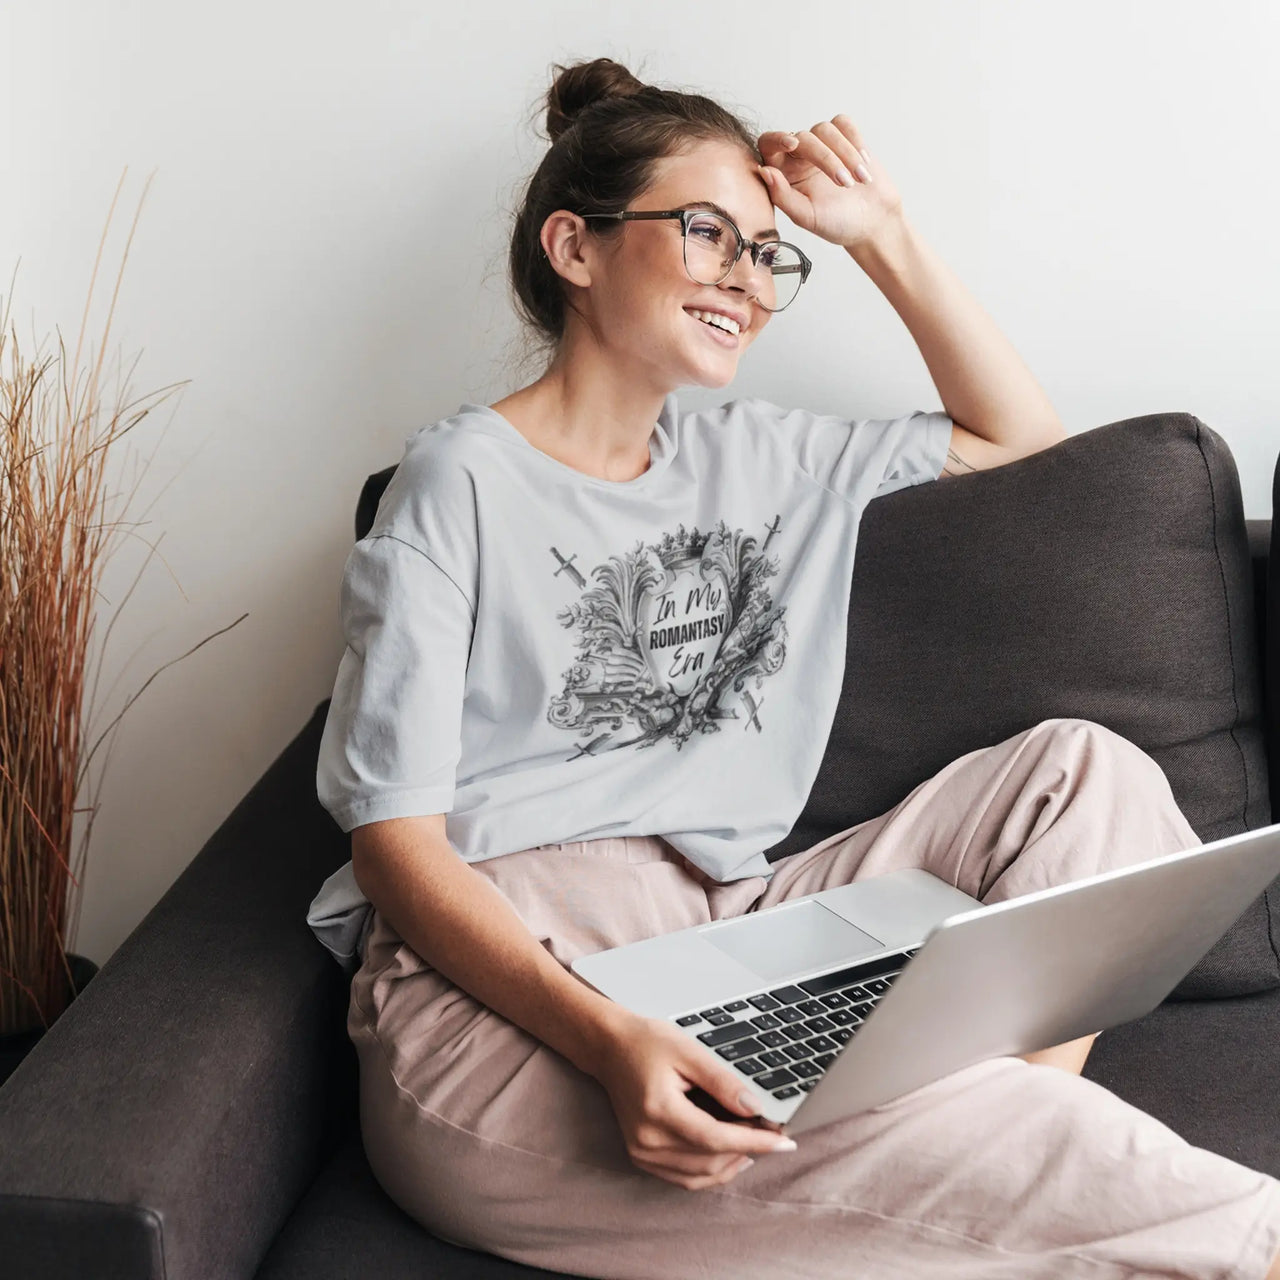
x,y
392,739
864,458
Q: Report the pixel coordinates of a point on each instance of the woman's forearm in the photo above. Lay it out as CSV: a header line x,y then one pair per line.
x,y
464,927
983,382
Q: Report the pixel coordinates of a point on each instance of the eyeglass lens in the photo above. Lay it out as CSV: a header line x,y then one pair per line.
x,y
709,245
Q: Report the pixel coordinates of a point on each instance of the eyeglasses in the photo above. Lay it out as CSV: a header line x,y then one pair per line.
x,y
713,245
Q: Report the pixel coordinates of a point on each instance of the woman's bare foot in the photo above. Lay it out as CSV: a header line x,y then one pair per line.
x,y
1069,1056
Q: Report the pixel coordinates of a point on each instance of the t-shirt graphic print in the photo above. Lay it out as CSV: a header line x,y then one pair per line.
x,y
669,639
545,656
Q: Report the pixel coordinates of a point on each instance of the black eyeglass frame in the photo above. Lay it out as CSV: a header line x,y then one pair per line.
x,y
686,215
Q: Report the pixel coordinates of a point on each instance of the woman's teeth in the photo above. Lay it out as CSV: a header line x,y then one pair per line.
x,y
716,319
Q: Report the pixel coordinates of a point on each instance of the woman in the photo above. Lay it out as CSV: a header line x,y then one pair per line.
x,y
606,639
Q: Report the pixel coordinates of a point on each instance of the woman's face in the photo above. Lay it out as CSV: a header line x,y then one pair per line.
x,y
639,295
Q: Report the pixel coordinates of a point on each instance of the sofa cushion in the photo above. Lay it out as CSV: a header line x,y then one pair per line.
x,y
1271,651
1107,578
346,1227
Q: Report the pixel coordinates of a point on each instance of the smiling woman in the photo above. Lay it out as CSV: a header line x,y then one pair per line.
x,y
594,652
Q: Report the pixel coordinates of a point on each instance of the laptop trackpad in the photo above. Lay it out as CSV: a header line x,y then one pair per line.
x,y
791,940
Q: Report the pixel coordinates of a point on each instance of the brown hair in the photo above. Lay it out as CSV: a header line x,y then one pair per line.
x,y
608,130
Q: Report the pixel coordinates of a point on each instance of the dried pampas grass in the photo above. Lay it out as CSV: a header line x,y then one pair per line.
x,y
55,442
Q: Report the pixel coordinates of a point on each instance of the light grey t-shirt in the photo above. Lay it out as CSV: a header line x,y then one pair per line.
x,y
544,656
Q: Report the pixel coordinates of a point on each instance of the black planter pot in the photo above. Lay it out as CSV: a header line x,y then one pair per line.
x,y
13,1048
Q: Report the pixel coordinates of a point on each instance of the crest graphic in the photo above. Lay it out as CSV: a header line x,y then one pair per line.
x,y
668,633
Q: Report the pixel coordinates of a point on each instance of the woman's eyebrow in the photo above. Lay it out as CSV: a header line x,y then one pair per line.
x,y
771,234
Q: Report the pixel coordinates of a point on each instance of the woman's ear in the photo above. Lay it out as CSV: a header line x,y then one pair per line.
x,y
564,242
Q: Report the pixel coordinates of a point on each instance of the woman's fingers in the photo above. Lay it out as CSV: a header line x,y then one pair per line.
x,y
775,145
693,1130
841,136
815,150
834,146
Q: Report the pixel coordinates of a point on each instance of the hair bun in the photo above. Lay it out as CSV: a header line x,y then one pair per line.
x,y
579,86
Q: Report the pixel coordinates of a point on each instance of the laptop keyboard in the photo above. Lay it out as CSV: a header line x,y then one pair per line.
x,y
784,1038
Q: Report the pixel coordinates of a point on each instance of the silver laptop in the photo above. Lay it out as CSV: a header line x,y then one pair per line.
x,y
842,1000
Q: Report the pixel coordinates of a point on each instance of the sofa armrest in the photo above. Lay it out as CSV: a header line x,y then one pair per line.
x,y
167,1123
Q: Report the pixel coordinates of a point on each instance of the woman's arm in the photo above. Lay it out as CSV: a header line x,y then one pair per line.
x,y
463,926
459,923
825,180
980,377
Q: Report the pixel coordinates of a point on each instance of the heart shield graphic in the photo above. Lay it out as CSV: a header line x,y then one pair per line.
x,y
683,624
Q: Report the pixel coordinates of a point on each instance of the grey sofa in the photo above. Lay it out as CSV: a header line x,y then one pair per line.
x,y
194,1114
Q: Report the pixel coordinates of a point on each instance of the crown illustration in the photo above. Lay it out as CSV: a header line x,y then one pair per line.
x,y
681,550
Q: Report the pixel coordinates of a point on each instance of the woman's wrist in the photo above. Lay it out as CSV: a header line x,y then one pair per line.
x,y
606,1027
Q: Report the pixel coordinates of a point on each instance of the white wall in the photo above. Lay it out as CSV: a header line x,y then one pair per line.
x,y
322,253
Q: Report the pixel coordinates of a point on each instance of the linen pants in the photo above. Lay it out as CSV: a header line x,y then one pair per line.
x,y
496,1142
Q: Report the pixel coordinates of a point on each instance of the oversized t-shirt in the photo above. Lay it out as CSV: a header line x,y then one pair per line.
x,y
545,656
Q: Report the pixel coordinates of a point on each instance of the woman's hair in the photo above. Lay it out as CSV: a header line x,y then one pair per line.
x,y
608,130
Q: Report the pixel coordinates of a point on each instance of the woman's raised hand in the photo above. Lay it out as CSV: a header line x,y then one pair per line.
x,y
647,1070
805,173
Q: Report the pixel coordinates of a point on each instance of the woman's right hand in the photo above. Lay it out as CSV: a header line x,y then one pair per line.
x,y
648,1067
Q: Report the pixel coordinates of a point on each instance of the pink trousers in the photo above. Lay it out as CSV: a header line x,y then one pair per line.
x,y
494,1141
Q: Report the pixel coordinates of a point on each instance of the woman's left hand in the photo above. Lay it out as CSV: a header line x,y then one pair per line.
x,y
805,182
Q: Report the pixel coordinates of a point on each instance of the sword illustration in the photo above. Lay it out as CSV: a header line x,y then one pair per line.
x,y
773,528
568,564
752,706
588,748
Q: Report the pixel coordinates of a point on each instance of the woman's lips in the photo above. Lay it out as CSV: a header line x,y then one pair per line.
x,y
719,335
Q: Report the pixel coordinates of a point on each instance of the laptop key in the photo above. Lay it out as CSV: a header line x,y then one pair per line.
x,y
774,1039
719,1019
812,1006
775,1079
842,1017
842,1035
715,1008
877,986
817,1025
763,1003
790,1015
774,1058
788,995
749,1066
789,1092
798,1051
806,1085
806,1069
722,1035
688,1020
856,992
834,1000
826,1060
863,1010
765,1021
798,1032
820,1043
740,1049
735,1005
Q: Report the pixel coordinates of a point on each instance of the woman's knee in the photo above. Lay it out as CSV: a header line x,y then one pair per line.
x,y
1099,741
